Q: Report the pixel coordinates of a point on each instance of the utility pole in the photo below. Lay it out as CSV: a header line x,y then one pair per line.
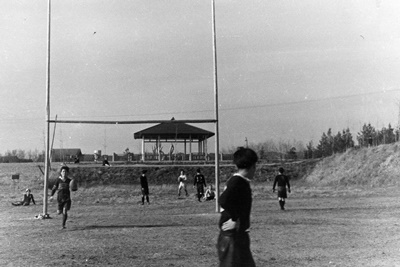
x,y
62,155
105,141
398,122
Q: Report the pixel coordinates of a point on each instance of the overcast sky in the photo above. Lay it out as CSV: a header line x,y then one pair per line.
x,y
286,69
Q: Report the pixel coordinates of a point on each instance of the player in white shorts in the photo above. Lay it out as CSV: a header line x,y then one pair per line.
x,y
182,179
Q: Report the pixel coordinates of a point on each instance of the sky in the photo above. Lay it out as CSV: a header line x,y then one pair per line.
x,y
287,70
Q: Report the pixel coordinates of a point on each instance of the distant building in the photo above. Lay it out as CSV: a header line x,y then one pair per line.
x,y
65,154
9,159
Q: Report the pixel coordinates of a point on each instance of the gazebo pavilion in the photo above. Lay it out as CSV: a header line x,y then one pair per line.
x,y
173,133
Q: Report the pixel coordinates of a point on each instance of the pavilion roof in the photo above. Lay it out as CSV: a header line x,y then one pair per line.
x,y
172,131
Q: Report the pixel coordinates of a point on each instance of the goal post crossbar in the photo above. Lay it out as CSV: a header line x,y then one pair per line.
x,y
133,122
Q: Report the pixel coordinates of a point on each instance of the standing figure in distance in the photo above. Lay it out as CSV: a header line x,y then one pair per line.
x,y
28,197
233,243
200,182
182,179
63,194
145,187
282,181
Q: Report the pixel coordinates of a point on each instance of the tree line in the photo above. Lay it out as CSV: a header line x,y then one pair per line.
x,y
274,150
330,144
30,155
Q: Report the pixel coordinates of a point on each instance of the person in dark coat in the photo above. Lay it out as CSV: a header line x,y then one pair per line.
x,y
233,243
282,181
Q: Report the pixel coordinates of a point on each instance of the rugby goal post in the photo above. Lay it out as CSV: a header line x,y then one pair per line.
x,y
48,121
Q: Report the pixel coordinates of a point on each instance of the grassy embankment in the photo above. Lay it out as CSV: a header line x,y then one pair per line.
x,y
368,167
376,167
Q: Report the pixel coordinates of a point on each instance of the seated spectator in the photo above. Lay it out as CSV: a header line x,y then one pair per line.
x,y
28,197
105,162
210,194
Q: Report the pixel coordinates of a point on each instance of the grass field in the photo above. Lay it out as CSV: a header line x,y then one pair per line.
x,y
108,227
322,226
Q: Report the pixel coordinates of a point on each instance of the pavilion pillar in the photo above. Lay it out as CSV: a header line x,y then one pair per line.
x,y
203,144
159,148
205,148
143,144
184,149
199,147
190,148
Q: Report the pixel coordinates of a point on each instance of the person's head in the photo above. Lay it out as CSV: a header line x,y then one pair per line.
x,y
182,172
64,171
245,159
281,170
198,170
210,187
27,191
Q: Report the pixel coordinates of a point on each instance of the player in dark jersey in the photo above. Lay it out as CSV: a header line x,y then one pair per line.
x,y
28,197
233,241
145,187
200,182
282,181
63,194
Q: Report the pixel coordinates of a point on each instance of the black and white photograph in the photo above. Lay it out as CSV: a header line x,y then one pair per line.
x,y
260,133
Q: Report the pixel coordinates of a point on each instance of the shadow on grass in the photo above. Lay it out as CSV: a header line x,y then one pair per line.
x,y
89,227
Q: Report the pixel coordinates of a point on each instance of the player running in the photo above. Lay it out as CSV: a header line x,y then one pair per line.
x,y
63,194
282,181
200,182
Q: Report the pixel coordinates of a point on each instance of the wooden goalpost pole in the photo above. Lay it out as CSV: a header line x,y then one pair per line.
x,y
52,143
217,206
46,152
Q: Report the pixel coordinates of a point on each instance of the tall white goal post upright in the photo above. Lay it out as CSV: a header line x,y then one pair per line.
x,y
216,107
48,121
47,152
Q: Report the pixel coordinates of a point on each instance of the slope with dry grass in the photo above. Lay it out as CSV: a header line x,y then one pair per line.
x,y
372,167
